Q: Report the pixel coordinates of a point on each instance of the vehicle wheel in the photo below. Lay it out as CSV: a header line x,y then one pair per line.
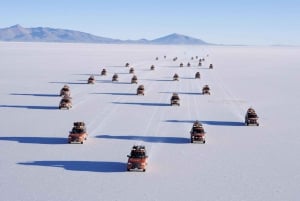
x,y
144,170
257,124
204,142
81,142
128,169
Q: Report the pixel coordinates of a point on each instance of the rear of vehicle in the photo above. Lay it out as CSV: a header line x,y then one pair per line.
x,y
65,91
206,90
140,90
175,100
251,119
77,137
65,103
137,164
103,72
137,160
198,135
78,133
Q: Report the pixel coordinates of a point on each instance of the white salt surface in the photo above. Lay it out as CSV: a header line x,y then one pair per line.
x,y
238,163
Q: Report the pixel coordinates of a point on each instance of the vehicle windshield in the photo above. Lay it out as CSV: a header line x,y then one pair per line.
x,y
198,129
252,115
78,130
138,154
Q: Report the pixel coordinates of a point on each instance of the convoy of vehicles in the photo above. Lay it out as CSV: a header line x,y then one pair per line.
x,y
137,159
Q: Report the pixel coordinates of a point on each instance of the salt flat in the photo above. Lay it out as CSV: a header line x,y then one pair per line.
x,y
237,162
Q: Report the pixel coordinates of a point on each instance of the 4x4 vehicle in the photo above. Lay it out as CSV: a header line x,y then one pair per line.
x,y
176,77
65,103
115,77
140,90
251,117
137,160
206,90
197,133
91,80
134,80
65,91
103,72
131,70
78,133
175,100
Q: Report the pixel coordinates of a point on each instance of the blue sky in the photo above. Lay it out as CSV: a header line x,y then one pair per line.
x,y
256,22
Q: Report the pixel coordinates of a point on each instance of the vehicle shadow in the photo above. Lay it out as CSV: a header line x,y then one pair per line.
x,y
224,123
214,123
36,140
40,95
152,139
180,121
176,66
70,83
116,94
117,66
87,166
183,93
112,82
143,104
159,80
87,74
32,107
190,93
124,73
188,78
118,82
103,81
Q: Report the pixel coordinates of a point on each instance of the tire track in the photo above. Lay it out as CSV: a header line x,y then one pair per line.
x,y
229,99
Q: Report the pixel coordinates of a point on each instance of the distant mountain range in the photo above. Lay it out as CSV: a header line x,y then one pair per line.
x,y
45,34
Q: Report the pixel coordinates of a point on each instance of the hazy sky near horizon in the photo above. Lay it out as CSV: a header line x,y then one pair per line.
x,y
252,22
